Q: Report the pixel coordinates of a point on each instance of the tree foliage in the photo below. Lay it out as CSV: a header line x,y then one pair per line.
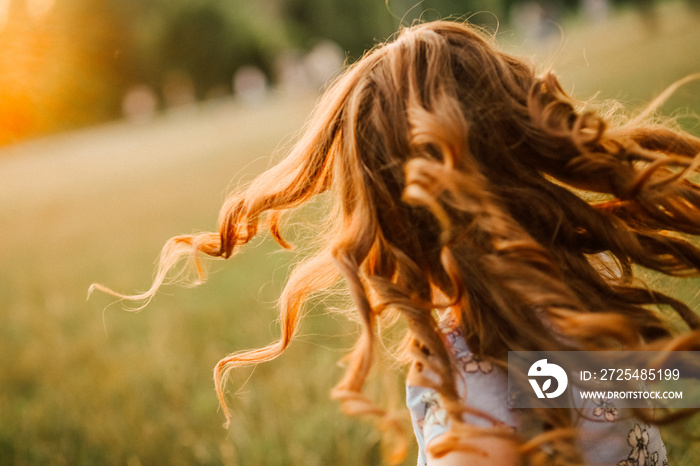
x,y
104,48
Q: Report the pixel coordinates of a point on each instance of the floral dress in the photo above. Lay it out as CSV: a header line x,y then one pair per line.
x,y
607,435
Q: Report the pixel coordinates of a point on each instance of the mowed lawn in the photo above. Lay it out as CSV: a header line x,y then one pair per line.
x,y
85,382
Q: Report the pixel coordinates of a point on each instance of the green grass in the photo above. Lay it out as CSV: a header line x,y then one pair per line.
x,y
83,386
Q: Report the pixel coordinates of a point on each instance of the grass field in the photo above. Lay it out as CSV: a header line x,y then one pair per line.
x,y
83,383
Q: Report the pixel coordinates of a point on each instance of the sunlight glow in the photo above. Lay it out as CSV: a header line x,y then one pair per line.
x,y
4,12
38,9
35,60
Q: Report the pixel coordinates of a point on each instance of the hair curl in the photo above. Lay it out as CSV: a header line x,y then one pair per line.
x,y
455,168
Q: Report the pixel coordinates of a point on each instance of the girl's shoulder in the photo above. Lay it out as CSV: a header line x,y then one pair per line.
x,y
608,434
481,387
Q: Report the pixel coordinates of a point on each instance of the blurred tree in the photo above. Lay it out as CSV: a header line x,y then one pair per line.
x,y
355,25
198,42
208,41
74,66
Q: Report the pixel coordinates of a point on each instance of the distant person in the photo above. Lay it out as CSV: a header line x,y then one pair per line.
x,y
459,199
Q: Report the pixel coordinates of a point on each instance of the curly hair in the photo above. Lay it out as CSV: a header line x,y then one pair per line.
x,y
459,179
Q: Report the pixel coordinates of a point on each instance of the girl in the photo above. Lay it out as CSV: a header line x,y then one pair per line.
x,y
459,181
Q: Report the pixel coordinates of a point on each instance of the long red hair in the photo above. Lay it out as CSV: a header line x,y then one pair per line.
x,y
452,166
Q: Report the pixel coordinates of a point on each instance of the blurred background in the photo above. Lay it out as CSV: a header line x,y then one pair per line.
x,y
125,122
